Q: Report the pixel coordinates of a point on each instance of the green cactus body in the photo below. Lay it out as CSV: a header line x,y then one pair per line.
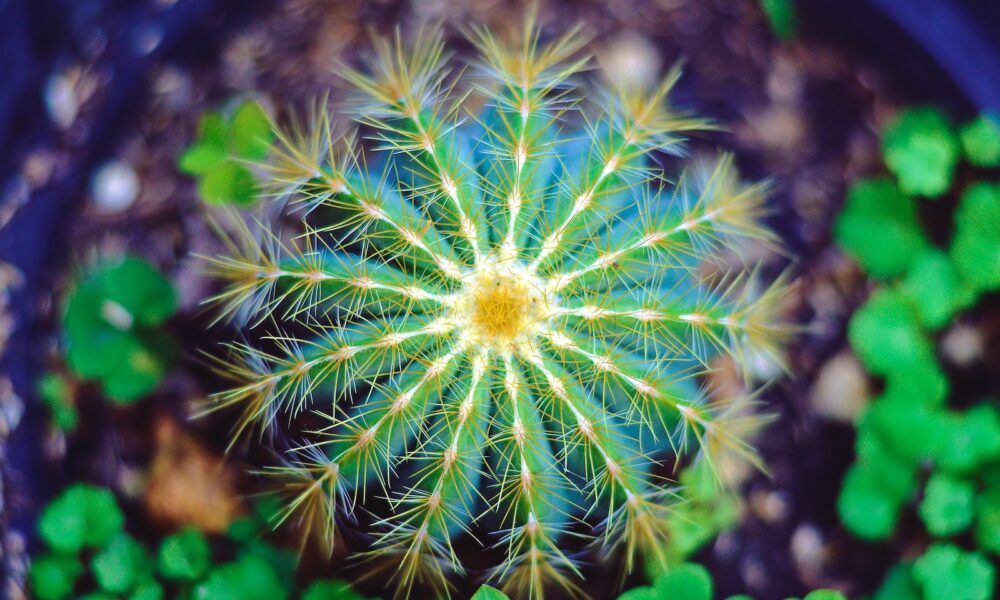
x,y
499,313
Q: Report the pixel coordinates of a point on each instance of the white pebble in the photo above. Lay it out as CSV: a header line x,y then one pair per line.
x,y
115,186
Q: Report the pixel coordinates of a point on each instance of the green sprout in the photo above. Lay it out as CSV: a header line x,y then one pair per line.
x,y
113,322
886,336
121,565
84,516
225,147
499,315
486,592
879,227
691,581
936,289
85,526
247,578
948,505
54,576
981,141
184,556
975,248
921,149
334,589
782,18
945,572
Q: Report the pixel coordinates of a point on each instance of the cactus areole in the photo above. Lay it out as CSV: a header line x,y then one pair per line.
x,y
493,316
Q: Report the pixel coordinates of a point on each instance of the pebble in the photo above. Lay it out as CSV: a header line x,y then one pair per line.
x,y
808,548
632,60
841,389
115,186
61,101
962,345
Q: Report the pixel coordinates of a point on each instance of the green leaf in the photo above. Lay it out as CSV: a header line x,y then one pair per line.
x,y
899,584
251,131
210,150
935,288
120,565
184,556
825,595
945,572
230,183
140,289
112,333
782,18
248,578
212,130
687,580
987,527
202,159
53,577
975,248
865,507
886,337
948,504
147,590
93,347
146,361
879,227
925,383
921,149
334,589
486,592
895,470
981,141
84,516
968,440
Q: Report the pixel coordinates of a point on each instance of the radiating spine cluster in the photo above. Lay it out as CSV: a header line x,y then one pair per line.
x,y
499,313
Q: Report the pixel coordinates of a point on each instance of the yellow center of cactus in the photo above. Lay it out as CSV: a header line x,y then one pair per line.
x,y
502,305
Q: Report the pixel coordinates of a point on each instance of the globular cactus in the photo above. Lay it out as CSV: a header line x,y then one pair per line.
x,y
499,309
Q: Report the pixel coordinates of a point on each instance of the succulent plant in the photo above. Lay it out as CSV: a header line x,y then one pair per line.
x,y
493,310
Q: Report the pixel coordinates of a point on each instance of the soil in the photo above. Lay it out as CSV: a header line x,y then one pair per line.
x,y
804,114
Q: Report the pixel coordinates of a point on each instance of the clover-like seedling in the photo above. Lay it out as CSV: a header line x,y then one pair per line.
x,y
981,141
486,592
921,149
948,505
225,147
184,556
497,314
936,289
886,336
54,576
945,572
987,526
879,227
83,516
113,326
782,18
687,580
975,247
334,589
121,565
247,578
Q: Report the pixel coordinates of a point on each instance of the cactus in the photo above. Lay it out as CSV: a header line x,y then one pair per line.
x,y
491,321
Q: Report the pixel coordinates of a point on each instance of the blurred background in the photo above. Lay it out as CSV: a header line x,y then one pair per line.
x,y
99,98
